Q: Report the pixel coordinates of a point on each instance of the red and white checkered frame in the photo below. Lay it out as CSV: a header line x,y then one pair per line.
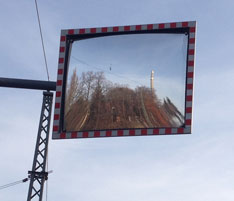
x,y
57,134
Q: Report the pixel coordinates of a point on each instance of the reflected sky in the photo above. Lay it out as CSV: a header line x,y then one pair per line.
x,y
129,60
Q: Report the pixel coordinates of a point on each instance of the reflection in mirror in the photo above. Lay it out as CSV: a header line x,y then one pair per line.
x,y
126,81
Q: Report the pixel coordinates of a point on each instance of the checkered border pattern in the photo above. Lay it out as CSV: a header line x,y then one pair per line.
x,y
127,132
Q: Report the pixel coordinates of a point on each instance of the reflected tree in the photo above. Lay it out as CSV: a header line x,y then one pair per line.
x,y
94,103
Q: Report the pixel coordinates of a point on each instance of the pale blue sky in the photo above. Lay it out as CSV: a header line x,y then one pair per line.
x,y
166,168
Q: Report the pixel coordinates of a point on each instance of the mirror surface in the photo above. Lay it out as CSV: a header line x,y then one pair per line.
x,y
126,81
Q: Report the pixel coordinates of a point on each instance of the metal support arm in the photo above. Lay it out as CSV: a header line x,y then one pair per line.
x,y
27,84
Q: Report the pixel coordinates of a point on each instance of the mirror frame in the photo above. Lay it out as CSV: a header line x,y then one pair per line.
x,y
70,35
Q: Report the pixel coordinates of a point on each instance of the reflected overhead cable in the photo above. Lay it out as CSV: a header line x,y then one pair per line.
x,y
109,72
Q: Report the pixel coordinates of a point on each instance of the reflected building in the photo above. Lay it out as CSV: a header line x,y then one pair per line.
x,y
152,81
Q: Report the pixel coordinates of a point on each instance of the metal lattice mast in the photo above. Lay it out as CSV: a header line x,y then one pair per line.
x,y
38,175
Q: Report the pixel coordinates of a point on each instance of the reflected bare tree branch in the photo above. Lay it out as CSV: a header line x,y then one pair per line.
x,y
94,103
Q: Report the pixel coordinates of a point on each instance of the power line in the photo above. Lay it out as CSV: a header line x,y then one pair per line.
x,y
42,42
47,167
115,74
14,183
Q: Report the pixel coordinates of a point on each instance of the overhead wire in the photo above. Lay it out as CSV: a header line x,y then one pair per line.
x,y
14,183
47,168
47,71
115,74
42,41
48,77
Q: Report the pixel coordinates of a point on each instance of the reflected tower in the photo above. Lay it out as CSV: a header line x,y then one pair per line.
x,y
152,81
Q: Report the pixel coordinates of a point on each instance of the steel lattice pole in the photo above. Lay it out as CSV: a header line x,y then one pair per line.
x,y
38,175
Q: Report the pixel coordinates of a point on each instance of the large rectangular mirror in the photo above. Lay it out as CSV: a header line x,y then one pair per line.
x,y
126,81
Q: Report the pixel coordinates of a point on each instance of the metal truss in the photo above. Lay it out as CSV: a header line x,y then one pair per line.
x,y
38,175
